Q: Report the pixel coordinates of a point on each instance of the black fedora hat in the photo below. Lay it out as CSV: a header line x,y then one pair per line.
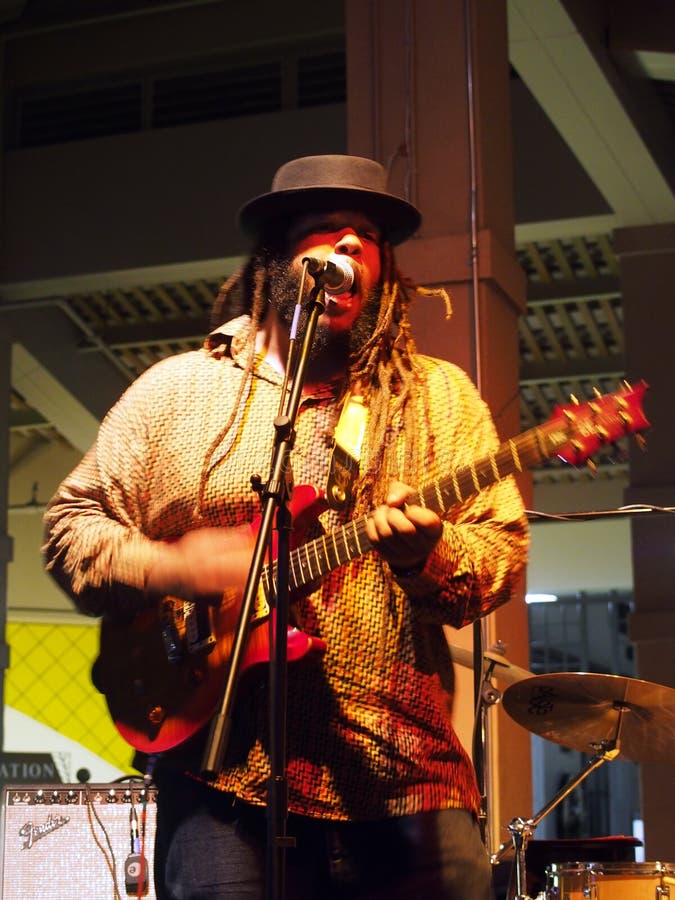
x,y
317,183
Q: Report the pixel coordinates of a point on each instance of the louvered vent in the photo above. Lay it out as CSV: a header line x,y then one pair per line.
x,y
77,115
231,91
321,79
226,94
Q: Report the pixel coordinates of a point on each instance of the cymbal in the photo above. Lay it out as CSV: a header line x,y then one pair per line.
x,y
504,670
581,710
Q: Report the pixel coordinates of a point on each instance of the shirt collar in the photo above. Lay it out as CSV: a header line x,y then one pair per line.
x,y
230,340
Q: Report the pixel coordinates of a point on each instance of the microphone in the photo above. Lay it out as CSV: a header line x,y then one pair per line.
x,y
335,274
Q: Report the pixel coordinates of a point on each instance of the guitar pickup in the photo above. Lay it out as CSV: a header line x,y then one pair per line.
x,y
199,627
171,639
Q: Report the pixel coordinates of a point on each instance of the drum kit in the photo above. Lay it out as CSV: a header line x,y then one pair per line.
x,y
610,717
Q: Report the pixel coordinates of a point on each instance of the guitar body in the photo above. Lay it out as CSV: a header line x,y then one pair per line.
x,y
163,671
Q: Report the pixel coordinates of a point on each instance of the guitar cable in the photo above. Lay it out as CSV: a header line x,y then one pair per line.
x,y
136,872
109,854
135,866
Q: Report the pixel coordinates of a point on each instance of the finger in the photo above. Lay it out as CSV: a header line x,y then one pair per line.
x,y
422,517
377,525
398,494
387,522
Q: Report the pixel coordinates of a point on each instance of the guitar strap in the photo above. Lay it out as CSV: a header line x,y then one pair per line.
x,y
346,454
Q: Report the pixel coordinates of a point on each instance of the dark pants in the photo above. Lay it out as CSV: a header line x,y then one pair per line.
x,y
208,846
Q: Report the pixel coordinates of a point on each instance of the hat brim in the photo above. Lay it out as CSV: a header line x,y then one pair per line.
x,y
396,218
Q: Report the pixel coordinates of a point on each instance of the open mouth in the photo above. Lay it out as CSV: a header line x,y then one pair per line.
x,y
337,304
342,301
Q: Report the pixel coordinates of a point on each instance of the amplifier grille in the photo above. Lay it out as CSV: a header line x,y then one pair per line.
x,y
72,841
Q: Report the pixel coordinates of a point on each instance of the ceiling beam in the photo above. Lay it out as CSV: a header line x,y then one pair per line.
x,y
561,229
612,367
46,394
565,77
140,334
578,289
50,340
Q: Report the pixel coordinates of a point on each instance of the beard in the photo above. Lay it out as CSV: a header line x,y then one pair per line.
x,y
331,350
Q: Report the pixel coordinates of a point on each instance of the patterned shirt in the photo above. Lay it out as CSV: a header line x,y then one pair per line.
x,y
369,722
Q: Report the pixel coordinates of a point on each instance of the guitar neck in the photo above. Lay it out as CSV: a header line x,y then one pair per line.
x,y
323,554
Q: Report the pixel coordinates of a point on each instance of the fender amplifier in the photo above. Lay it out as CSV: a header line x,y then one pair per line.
x,y
77,841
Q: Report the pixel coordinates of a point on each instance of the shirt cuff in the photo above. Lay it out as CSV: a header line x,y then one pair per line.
x,y
409,571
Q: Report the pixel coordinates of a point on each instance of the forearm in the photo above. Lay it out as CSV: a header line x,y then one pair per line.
x,y
92,549
99,555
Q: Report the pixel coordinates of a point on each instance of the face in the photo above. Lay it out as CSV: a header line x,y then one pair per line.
x,y
345,233
350,319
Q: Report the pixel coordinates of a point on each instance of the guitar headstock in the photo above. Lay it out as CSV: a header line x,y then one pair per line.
x,y
600,422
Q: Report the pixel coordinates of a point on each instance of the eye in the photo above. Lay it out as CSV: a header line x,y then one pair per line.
x,y
304,228
322,228
368,231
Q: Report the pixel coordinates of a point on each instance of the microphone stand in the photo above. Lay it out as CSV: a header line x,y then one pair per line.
x,y
480,726
276,495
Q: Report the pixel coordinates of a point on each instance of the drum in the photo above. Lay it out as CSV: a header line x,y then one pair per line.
x,y
610,881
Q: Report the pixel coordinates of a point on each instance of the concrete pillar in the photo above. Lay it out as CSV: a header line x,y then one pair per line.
x,y
428,96
647,266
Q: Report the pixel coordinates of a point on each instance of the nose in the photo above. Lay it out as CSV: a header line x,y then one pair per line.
x,y
349,244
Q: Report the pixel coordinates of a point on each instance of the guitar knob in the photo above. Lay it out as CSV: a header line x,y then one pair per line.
x,y
157,715
197,676
338,494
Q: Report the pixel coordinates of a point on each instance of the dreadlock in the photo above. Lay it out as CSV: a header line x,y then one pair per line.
x,y
391,381
239,300
385,369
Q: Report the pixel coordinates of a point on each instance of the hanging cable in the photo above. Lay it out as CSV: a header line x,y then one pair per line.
x,y
480,637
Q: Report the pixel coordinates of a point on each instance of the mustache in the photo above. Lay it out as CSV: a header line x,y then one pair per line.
x,y
283,284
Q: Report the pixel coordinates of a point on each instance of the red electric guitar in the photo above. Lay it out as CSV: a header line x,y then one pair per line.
x,y
163,671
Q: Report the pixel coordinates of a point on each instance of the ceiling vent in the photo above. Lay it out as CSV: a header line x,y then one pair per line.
x,y
78,112
206,96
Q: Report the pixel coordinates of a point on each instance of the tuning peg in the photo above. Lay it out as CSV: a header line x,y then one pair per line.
x,y
625,420
641,442
578,448
574,400
596,392
592,468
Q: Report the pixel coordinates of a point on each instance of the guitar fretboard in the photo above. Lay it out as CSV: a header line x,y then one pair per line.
x,y
325,553
580,429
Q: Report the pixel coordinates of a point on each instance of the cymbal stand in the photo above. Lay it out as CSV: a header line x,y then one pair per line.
x,y
487,695
522,829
